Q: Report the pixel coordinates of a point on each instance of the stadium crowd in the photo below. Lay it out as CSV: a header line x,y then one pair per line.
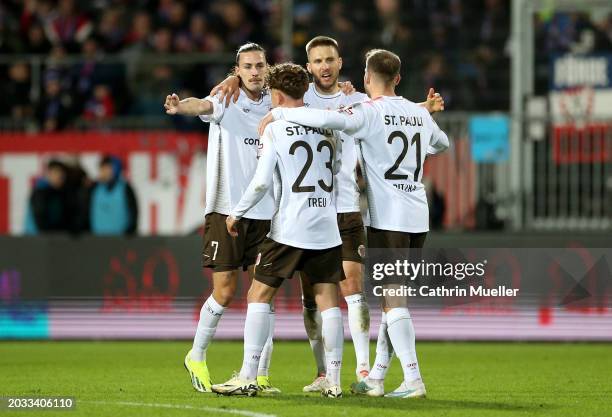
x,y
460,47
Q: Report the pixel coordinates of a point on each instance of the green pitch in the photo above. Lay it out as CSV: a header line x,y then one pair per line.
x,y
463,379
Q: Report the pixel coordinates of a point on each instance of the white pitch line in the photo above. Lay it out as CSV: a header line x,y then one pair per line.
x,y
183,407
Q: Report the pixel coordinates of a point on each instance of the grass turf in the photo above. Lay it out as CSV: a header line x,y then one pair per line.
x,y
463,379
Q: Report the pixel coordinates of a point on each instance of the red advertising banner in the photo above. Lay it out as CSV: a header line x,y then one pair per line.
x,y
166,169
582,145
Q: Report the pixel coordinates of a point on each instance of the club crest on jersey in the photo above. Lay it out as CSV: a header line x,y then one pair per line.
x,y
347,110
246,110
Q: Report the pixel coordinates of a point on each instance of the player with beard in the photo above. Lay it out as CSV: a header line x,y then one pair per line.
x,y
394,137
233,145
324,65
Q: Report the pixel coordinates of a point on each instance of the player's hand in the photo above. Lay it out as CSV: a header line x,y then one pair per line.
x,y
268,118
231,222
172,104
227,89
347,88
434,102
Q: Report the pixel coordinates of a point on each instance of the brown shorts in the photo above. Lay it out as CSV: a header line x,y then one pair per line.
x,y
352,235
225,253
382,239
276,262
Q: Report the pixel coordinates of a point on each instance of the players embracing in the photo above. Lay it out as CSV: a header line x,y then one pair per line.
x,y
324,64
394,136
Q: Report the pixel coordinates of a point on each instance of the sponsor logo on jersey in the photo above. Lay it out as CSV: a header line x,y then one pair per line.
x,y
252,141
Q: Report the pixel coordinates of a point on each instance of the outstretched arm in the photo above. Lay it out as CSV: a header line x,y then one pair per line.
x,y
187,107
348,120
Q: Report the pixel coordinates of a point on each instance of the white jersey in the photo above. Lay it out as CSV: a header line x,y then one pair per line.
x,y
394,136
347,190
301,162
233,144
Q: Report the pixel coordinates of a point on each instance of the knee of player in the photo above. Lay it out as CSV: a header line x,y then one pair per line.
x,y
225,294
350,287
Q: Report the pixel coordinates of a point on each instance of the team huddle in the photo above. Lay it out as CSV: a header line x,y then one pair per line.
x,y
282,197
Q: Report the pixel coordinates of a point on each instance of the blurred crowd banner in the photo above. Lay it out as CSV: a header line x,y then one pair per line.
x,y
167,171
153,288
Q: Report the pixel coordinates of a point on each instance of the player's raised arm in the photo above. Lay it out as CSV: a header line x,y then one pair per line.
x,y
187,107
259,185
434,102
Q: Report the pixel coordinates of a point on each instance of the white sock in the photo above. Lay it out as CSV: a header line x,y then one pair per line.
x,y
266,354
256,331
359,324
210,314
401,333
333,340
312,324
384,351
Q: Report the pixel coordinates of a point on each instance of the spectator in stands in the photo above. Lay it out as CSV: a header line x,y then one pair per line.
x,y
110,30
433,73
9,43
49,209
18,89
162,41
139,37
69,27
101,105
198,38
113,209
84,73
55,109
36,40
177,17
238,24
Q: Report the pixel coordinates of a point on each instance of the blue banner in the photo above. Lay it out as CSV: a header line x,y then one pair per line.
x,y
489,138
